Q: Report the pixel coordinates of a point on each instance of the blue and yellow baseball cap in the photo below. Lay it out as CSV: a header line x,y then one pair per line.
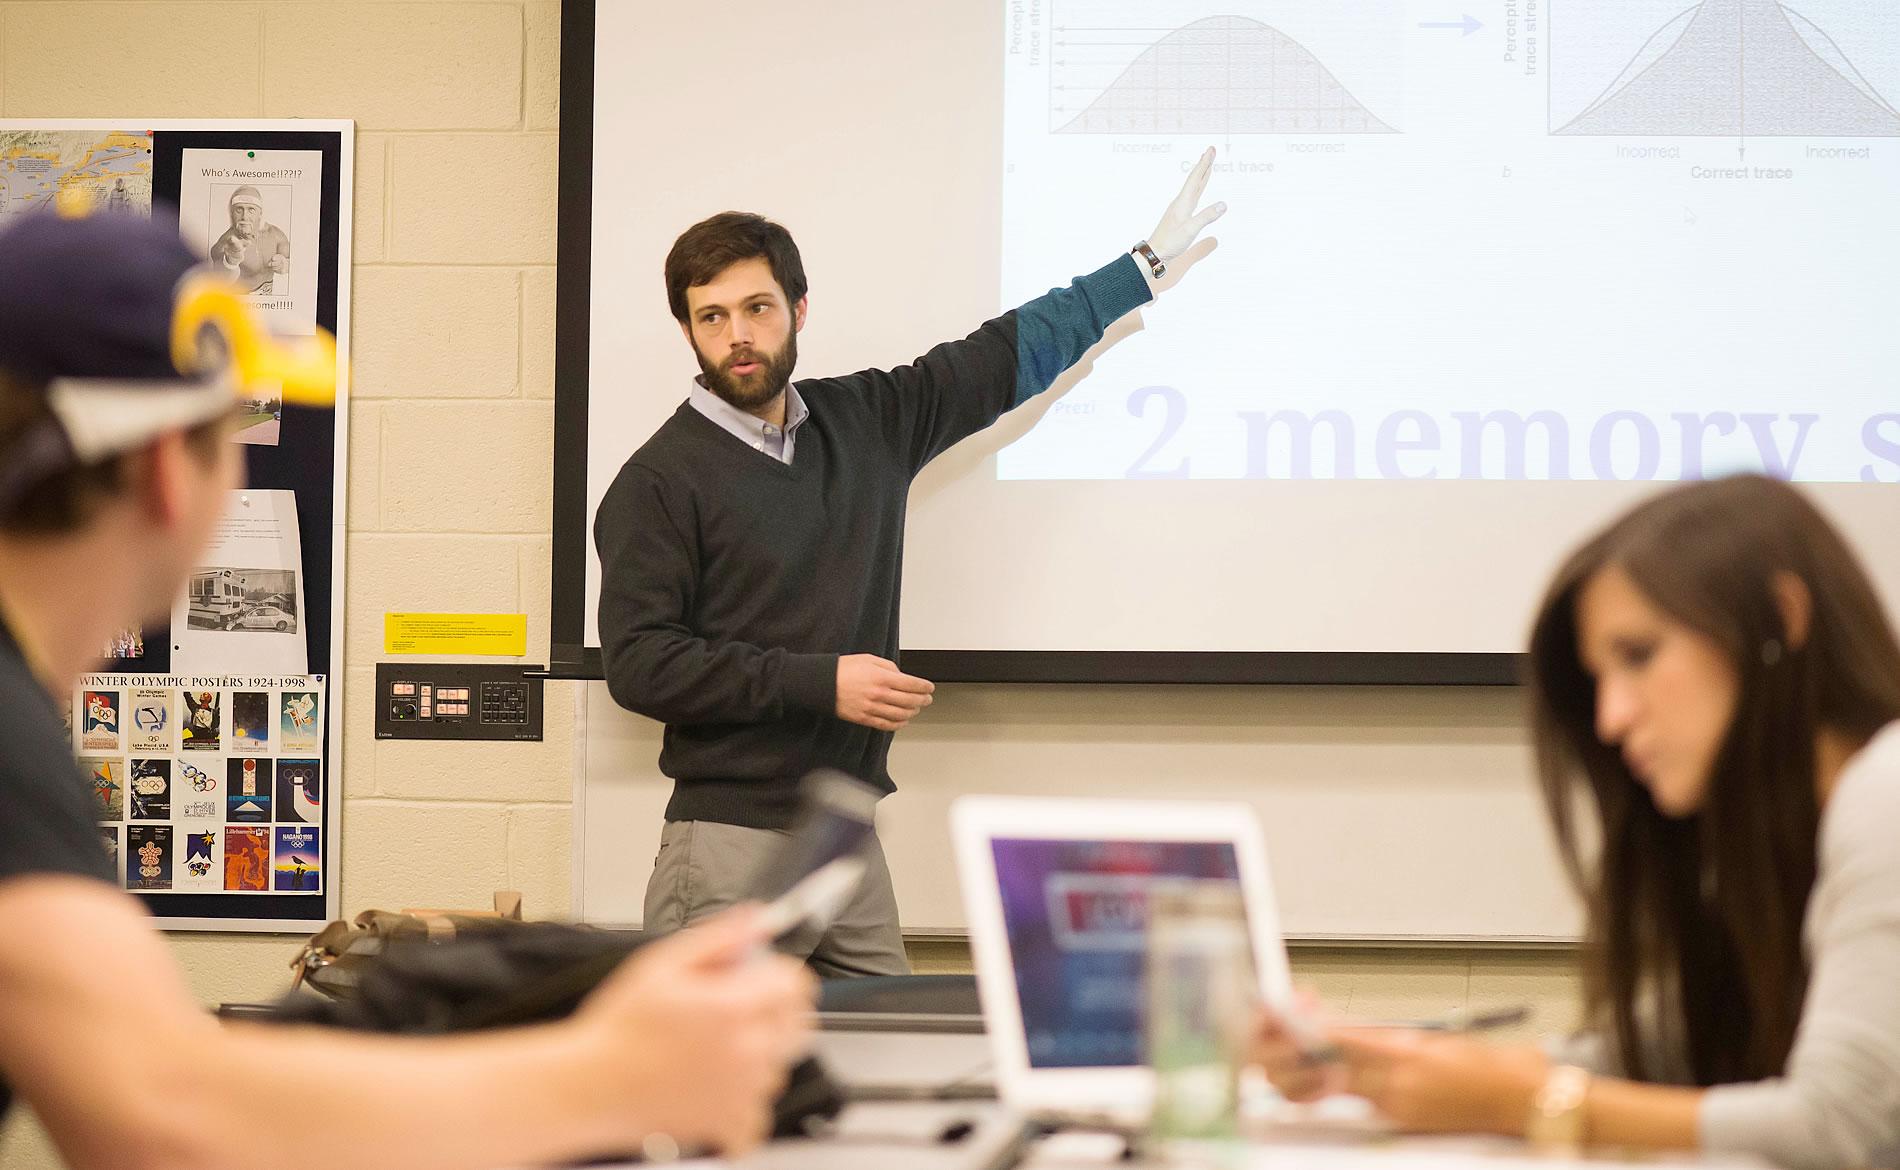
x,y
131,337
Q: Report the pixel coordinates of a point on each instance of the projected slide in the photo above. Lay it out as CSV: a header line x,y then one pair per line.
x,y
1739,67
1222,75
1544,239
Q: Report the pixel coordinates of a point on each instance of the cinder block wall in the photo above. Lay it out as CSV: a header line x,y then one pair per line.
x,y
451,422
456,105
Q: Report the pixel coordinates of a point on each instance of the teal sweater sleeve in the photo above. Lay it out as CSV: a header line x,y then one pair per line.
x,y
961,387
1057,328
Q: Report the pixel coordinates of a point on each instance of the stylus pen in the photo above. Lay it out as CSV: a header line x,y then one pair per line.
x,y
1466,1020
1463,1020
1309,1037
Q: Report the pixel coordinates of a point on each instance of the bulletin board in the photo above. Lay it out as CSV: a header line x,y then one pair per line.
x,y
213,736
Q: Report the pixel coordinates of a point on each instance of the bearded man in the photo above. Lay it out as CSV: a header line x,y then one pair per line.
x,y
751,551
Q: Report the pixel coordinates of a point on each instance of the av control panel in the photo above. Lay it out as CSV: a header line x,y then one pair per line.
x,y
457,700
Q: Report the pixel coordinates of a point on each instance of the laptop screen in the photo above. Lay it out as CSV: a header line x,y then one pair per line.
x,y
1076,913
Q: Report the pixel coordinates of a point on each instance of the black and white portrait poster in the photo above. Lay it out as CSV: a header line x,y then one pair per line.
x,y
254,213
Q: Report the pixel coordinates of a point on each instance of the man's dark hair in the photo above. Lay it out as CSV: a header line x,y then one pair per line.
x,y
65,501
61,502
713,245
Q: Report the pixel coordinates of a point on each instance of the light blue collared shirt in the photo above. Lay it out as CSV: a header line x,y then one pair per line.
x,y
755,432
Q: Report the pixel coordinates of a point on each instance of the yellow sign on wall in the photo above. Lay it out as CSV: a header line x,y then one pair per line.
x,y
500,634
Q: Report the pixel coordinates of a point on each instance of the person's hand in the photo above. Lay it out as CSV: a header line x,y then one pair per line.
x,y
1180,223
1286,1062
698,1029
874,693
278,263
1428,1081
233,250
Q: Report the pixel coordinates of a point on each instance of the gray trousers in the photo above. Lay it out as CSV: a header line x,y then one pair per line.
x,y
704,867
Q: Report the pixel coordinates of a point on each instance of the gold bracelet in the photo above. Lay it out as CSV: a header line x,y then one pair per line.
x,y
1555,1125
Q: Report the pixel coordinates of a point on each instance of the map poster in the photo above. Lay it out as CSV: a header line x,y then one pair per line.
x,y
45,171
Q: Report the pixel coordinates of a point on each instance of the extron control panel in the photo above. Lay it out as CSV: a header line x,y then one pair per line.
x,y
457,700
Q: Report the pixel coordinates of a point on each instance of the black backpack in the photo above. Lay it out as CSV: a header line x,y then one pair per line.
x,y
397,973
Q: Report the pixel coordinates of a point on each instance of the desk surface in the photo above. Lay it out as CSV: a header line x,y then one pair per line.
x,y
883,1134
923,1064
1314,1151
886,1135
898,1136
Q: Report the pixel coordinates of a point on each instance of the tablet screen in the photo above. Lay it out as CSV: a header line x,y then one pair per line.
x,y
1076,913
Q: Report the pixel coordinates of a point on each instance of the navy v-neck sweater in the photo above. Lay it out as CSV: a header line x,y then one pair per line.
x,y
732,583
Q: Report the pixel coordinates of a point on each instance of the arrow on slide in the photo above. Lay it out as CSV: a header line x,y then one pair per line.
x,y
1470,24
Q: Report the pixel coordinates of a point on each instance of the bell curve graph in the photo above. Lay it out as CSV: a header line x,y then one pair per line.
x,y
1739,69
1219,75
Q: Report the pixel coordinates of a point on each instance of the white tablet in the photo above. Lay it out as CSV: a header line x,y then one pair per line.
x,y
1055,892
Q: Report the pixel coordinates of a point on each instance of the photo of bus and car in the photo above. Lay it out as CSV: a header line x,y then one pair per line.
x,y
243,599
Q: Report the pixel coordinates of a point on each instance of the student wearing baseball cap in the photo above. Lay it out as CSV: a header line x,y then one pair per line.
x,y
112,333
123,361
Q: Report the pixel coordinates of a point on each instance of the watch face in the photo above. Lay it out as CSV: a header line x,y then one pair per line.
x,y
1147,254
1556,1120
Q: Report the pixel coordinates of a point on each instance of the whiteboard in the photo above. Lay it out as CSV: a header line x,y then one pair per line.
x,y
1390,813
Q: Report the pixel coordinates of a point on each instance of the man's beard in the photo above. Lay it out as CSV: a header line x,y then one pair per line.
x,y
750,391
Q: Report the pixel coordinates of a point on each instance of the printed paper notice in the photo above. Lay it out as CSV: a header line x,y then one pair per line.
x,y
500,634
243,609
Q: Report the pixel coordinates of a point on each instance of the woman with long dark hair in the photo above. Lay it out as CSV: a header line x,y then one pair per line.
x,y
1714,689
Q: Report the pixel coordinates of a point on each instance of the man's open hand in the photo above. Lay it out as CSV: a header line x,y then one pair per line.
x,y
1181,224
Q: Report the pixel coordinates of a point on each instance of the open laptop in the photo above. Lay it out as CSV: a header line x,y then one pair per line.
x,y
1055,892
